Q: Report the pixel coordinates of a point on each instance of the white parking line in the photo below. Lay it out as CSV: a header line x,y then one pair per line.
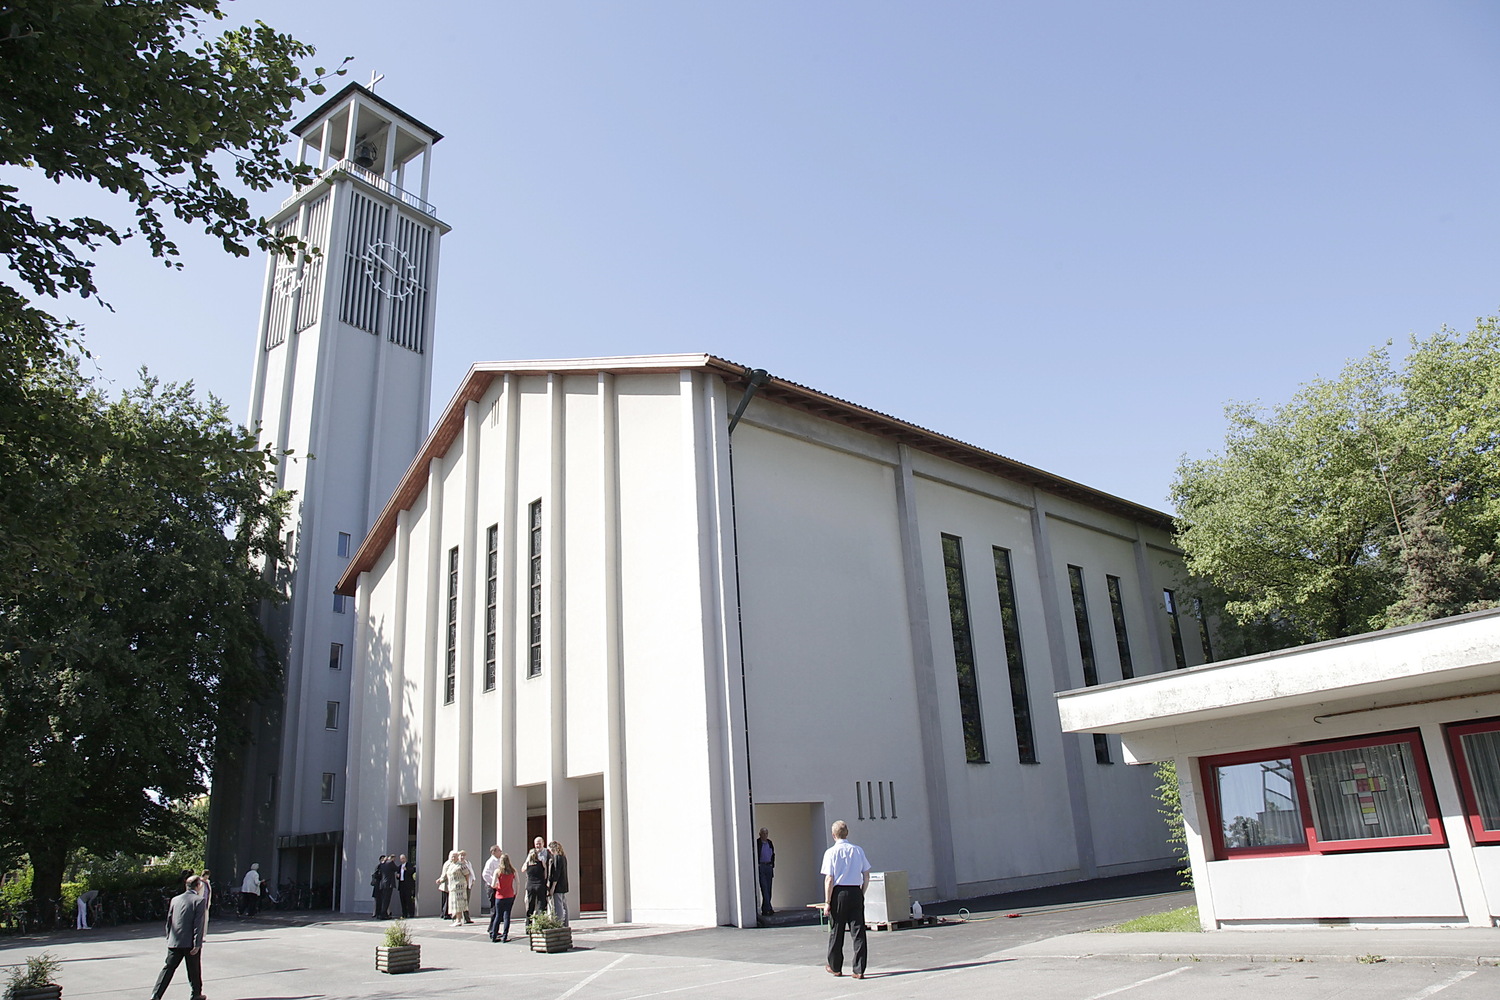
x,y
589,979
705,986
1143,982
1457,977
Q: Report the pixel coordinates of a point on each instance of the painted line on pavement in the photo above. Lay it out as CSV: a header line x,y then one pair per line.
x,y
1457,977
704,986
1143,982
593,976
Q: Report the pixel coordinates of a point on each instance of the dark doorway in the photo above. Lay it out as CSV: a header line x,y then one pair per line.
x,y
591,860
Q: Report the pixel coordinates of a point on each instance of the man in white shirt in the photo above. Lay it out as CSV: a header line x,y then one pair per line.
x,y
846,875
487,876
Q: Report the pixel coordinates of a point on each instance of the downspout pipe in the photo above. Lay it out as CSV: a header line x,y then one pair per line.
x,y
758,377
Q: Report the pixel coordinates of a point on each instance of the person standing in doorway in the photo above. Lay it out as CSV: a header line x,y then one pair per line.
x,y
765,867
557,882
250,891
187,918
846,875
406,885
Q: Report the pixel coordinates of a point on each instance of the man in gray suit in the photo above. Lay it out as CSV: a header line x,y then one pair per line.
x,y
187,918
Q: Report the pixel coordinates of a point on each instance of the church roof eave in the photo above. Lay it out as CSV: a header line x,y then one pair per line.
x,y
476,383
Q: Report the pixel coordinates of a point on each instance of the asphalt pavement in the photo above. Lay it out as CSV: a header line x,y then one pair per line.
x,y
1041,944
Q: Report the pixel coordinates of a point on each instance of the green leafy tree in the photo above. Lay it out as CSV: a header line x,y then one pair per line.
x,y
127,530
113,689
136,98
1366,501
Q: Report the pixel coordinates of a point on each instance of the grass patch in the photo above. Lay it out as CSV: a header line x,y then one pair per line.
x,y
1184,919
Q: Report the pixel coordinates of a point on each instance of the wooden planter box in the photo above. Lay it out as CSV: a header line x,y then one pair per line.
x,y
402,958
557,939
51,991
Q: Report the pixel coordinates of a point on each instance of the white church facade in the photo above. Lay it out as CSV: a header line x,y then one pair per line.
x,y
648,605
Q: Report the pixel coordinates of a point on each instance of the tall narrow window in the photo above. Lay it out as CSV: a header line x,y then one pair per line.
x,y
1169,601
534,665
963,649
1122,638
331,716
335,656
491,592
1020,700
340,604
1086,651
450,666
1208,647
345,542
327,786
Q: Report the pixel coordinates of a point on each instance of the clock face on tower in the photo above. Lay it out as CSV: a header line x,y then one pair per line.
x,y
288,276
390,270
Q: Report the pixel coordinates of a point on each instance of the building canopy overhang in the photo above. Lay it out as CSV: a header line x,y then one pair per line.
x,y
1186,712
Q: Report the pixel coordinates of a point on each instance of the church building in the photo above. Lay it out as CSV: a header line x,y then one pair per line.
x,y
649,605
645,606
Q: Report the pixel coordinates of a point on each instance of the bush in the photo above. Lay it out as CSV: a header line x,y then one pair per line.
x,y
541,920
39,970
397,934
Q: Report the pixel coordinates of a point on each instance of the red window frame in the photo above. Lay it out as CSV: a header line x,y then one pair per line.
x,y
1456,732
1311,844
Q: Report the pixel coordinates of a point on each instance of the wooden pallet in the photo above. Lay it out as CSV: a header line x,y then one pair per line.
x,y
899,925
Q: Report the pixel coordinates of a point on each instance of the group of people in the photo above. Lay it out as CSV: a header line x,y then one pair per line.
x,y
394,875
845,870
545,874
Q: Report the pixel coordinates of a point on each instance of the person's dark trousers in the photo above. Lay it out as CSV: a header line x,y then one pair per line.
x,y
408,903
503,908
174,959
536,899
494,919
767,872
847,909
446,914
252,903
383,903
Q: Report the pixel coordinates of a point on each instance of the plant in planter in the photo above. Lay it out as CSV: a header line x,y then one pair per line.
x,y
34,981
546,933
398,954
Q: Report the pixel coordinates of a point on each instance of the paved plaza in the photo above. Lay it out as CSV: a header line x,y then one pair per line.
x,y
1045,951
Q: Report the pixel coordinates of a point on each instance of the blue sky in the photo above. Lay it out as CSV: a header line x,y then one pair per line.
x,y
1067,232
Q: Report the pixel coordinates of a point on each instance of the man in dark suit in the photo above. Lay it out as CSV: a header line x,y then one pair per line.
x,y
406,884
386,872
187,919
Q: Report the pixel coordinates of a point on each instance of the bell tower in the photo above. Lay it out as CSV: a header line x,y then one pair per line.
x,y
341,387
